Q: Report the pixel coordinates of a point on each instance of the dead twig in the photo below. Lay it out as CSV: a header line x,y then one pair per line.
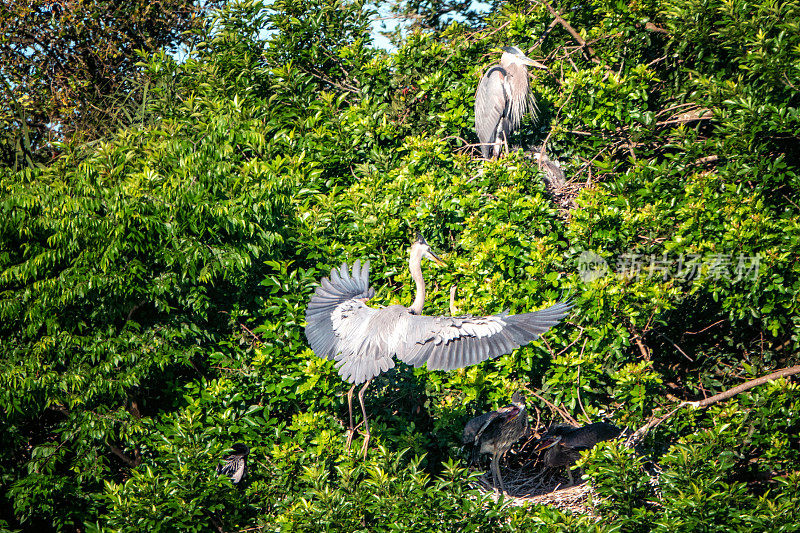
x,y
676,347
638,341
705,328
565,415
580,402
587,50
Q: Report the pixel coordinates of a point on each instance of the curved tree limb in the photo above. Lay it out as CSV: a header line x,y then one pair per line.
x,y
702,404
782,373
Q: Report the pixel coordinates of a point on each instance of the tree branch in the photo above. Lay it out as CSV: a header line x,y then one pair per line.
x,y
116,450
782,373
588,50
702,404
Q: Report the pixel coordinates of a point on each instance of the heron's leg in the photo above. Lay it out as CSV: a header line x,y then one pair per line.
x,y
497,149
496,479
364,412
569,475
350,430
500,478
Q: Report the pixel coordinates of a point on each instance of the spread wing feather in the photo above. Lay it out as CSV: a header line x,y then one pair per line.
x,y
447,343
341,288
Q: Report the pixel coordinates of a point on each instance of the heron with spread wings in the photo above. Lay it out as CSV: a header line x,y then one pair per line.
x,y
363,340
503,97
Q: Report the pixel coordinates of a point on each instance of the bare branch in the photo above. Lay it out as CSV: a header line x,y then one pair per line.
x,y
702,404
587,50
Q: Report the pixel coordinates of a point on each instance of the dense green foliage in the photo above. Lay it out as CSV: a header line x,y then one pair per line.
x,y
67,68
153,285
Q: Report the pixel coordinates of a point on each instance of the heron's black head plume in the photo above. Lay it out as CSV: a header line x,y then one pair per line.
x,y
420,238
513,50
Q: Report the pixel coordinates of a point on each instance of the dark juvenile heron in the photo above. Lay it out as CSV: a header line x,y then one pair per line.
x,y
563,443
363,339
235,466
495,432
554,175
502,99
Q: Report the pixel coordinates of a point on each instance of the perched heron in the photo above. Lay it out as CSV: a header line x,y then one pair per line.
x,y
564,443
502,99
495,432
362,339
235,466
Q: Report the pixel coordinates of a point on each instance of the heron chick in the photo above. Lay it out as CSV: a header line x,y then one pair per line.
x,y
363,340
564,443
503,97
235,466
495,432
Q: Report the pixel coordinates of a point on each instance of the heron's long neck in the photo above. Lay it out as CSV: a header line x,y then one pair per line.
x,y
415,266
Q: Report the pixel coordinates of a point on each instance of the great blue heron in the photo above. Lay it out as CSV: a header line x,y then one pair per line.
x,y
565,442
362,339
496,431
235,466
502,99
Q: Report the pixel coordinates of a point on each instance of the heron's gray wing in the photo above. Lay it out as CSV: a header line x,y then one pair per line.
x,y
490,106
235,468
478,425
447,343
340,326
333,292
474,428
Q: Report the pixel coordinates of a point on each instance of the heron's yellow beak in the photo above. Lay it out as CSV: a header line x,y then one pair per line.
x,y
435,258
531,63
548,443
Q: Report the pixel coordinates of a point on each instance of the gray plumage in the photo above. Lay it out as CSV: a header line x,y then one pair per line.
x,y
235,466
563,443
363,340
495,432
502,99
554,175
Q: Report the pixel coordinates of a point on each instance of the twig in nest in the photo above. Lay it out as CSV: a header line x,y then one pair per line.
x,y
565,415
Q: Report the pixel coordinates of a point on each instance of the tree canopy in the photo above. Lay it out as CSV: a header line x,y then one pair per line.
x,y
69,68
153,281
